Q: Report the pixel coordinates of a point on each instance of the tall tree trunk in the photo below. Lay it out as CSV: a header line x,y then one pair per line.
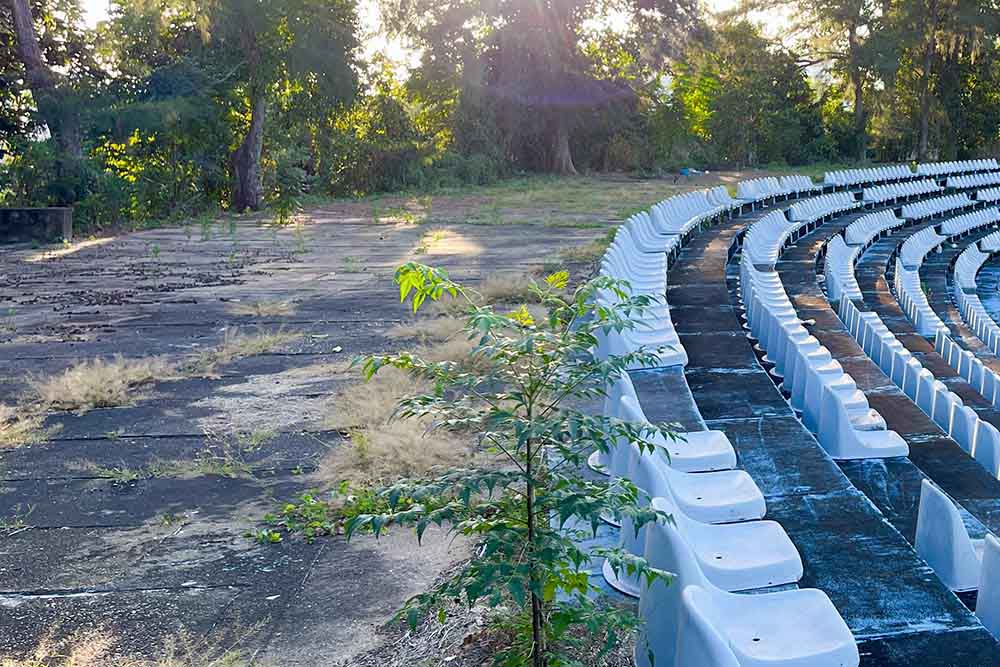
x,y
55,105
562,159
248,192
857,81
925,91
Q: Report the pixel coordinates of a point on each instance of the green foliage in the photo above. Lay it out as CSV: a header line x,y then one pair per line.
x,y
528,507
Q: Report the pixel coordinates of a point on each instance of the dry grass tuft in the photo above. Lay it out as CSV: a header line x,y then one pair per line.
x,y
589,253
100,383
509,288
262,308
19,428
429,329
237,345
379,448
97,648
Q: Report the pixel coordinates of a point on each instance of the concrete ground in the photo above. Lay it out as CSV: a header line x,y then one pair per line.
x,y
89,541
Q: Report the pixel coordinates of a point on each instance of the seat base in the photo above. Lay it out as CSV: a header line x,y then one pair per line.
x,y
624,584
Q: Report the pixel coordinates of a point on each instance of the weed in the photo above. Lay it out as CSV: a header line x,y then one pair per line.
x,y
100,383
430,329
588,253
97,648
380,448
262,308
237,345
19,427
351,264
16,523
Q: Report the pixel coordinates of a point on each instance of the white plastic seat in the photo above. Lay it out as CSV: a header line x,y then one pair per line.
x,y
738,556
987,450
700,451
988,600
721,496
943,541
787,629
790,628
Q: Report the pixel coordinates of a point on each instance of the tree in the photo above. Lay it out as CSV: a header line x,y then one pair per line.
x,y
839,33
58,95
525,501
748,98
530,59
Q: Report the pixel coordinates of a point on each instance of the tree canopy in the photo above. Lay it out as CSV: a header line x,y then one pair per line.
x,y
172,107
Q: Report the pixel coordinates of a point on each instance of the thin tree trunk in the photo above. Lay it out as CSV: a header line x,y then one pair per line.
x,y
925,92
247,187
537,617
858,83
55,105
562,158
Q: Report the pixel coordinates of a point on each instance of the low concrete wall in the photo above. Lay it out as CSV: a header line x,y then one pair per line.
x,y
36,224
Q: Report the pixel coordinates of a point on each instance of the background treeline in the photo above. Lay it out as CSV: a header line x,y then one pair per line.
x,y
173,107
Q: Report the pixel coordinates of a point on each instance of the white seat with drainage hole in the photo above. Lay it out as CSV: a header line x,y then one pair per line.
x,y
943,541
738,556
700,451
787,629
799,628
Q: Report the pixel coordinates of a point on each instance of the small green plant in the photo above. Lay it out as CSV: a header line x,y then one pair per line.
x,y
17,521
351,264
527,503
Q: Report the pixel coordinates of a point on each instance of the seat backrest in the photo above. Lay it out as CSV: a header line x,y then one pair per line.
x,y
988,600
699,644
942,540
660,601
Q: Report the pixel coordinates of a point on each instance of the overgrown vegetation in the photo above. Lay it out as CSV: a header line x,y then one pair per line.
x,y
519,493
237,344
99,648
261,309
20,427
172,109
100,383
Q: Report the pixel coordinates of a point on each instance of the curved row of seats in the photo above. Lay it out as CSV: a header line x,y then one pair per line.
x,y
832,406
932,396
989,194
941,536
893,192
969,367
838,269
869,228
956,167
823,206
871,175
969,305
696,483
973,180
928,208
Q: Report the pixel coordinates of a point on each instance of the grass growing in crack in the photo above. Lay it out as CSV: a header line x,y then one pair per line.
x,y
237,345
588,253
100,383
430,329
98,648
19,427
262,308
15,523
380,448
